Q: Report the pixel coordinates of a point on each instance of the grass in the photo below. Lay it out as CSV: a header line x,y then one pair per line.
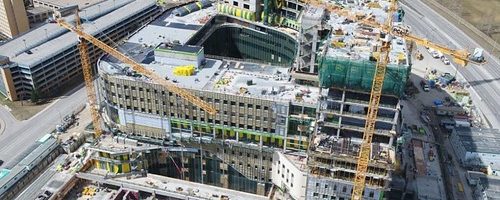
x,y
480,13
23,110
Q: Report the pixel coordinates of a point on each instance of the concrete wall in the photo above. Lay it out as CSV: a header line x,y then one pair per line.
x,y
179,58
327,188
251,5
13,17
241,114
289,177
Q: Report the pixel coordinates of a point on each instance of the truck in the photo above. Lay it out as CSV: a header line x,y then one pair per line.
x,y
477,56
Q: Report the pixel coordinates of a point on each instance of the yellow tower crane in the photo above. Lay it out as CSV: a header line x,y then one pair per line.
x,y
87,72
461,57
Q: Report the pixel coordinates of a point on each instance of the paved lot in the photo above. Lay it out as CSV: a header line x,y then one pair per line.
x,y
20,135
484,79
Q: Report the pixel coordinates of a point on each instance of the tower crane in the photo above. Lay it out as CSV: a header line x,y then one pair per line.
x,y
87,71
460,57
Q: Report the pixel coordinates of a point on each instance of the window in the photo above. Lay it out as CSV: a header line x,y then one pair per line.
x,y
372,194
233,103
317,184
242,105
250,105
225,102
315,194
344,189
325,196
235,3
266,108
246,6
326,185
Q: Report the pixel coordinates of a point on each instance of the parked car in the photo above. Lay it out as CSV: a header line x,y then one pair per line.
x,y
424,85
435,54
430,50
445,60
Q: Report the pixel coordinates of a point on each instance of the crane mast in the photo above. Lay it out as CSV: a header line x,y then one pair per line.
x,y
89,83
87,71
371,117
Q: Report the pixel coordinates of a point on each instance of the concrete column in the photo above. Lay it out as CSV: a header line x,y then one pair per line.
x,y
261,189
224,181
313,49
341,111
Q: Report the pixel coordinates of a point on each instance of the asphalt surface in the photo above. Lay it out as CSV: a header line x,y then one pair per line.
x,y
18,136
484,79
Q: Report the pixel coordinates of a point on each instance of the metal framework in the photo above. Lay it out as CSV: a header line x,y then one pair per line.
x,y
371,118
89,83
461,57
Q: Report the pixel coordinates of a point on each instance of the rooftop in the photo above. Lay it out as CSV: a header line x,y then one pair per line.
x,y
42,149
171,187
264,81
429,188
63,3
354,41
479,140
120,145
178,28
58,39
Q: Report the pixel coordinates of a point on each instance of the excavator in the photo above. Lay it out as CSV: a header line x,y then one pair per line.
x,y
87,69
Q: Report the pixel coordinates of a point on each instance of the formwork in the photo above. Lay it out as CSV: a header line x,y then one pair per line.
x,y
358,75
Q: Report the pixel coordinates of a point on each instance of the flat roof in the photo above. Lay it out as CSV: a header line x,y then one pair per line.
x,y
50,39
257,80
430,188
479,140
111,145
27,163
170,28
357,41
181,48
491,186
63,3
192,189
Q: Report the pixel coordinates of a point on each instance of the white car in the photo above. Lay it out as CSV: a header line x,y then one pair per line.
x,y
430,50
445,60
435,54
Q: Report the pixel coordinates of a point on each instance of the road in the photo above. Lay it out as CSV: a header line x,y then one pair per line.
x,y
20,135
484,80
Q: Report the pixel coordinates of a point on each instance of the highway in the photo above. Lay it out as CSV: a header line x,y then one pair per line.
x,y
18,136
484,79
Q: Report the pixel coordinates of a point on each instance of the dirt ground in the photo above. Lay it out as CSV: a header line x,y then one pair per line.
x,y
23,110
483,14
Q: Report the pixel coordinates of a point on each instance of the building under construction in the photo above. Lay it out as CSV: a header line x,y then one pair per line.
x,y
290,83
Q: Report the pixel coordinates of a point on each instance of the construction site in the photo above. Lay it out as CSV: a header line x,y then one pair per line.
x,y
273,99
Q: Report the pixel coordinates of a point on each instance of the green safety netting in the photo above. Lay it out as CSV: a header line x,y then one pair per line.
x,y
358,75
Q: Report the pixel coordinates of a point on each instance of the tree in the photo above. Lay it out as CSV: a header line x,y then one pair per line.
x,y
35,97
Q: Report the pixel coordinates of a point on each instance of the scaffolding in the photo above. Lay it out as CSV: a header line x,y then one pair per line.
x,y
358,75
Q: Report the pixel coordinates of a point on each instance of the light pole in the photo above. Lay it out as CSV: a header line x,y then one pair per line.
x,y
26,46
